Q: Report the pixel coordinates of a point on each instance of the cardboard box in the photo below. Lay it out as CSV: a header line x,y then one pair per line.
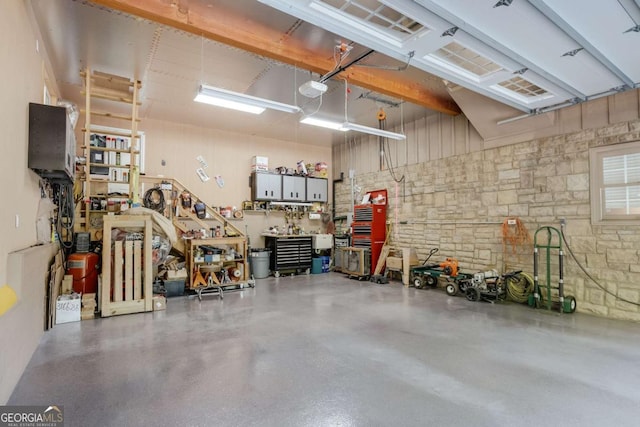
x,y
159,303
177,274
87,315
68,308
259,164
394,263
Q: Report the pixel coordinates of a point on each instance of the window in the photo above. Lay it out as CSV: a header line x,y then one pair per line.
x,y
615,183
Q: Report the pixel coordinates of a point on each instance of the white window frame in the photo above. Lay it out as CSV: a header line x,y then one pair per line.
x,y
596,156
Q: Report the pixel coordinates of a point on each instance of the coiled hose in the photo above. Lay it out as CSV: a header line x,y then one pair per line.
x,y
519,288
154,199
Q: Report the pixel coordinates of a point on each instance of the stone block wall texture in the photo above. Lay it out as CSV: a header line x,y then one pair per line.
x,y
458,204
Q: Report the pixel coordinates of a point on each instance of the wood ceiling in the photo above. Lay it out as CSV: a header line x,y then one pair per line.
x,y
223,25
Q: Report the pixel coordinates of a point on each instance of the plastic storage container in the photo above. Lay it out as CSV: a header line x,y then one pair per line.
x,y
316,265
259,262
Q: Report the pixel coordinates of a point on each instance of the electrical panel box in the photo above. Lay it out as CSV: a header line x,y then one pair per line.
x,y
52,143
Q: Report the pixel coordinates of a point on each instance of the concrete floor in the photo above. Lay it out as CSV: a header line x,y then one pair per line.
x,y
323,350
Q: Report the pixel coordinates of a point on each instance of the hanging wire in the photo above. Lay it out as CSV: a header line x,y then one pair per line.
x,y
589,275
386,150
201,59
346,94
65,216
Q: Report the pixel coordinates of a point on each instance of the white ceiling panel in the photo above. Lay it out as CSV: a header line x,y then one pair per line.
x,y
605,25
562,46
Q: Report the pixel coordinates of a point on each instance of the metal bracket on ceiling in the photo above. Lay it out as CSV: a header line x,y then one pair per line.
x,y
380,100
450,32
503,3
386,67
573,52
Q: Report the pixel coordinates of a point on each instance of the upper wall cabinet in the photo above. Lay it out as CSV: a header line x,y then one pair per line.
x,y
294,188
288,188
266,186
317,190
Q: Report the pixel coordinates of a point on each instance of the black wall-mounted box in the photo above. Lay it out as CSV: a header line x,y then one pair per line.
x,y
52,143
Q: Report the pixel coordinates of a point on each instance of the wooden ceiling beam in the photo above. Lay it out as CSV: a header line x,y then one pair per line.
x,y
233,30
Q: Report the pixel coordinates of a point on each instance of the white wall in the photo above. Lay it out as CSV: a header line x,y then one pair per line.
x,y
228,155
22,79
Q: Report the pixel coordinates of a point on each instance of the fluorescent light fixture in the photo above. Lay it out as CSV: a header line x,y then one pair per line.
x,y
373,131
323,123
345,126
239,101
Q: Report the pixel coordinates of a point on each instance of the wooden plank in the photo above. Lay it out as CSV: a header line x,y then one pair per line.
x,y
137,270
129,258
67,284
117,264
194,218
148,266
381,260
409,259
128,270
110,115
180,226
125,307
57,285
105,286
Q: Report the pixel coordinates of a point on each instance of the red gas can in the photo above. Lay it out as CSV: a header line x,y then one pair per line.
x,y
84,269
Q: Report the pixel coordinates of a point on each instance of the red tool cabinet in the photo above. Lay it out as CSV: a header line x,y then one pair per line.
x,y
369,225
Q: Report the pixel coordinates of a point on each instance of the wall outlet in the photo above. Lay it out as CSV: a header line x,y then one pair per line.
x,y
563,222
17,220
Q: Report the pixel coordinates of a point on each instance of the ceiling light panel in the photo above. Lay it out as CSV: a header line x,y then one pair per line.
x,y
465,58
376,13
523,87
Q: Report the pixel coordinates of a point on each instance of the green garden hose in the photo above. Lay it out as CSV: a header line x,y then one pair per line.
x,y
519,288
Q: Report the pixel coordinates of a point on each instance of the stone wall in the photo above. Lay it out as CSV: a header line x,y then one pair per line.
x,y
458,204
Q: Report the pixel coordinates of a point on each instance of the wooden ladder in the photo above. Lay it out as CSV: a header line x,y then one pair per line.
x,y
108,90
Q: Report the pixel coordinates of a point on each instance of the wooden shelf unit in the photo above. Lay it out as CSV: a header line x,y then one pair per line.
x,y
115,91
227,269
